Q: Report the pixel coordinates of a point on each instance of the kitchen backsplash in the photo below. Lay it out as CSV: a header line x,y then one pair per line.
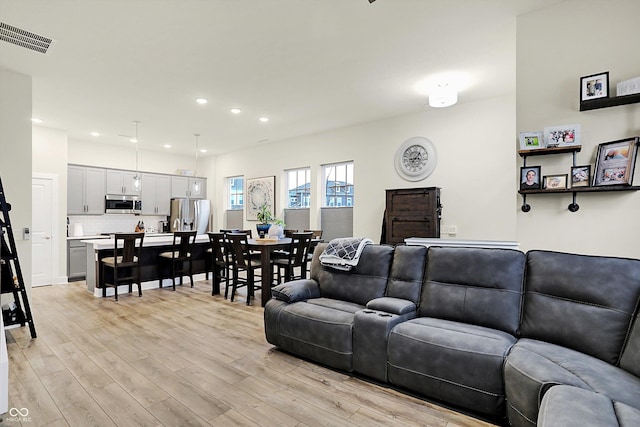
x,y
93,225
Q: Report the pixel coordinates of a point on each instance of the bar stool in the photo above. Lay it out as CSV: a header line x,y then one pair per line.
x,y
180,255
126,266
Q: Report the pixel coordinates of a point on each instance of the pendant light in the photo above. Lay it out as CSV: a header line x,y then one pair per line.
x,y
136,179
196,181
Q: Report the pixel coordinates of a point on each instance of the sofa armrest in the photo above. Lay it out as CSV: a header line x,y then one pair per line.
x,y
392,305
297,290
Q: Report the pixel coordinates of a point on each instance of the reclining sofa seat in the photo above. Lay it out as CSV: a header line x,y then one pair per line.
x,y
578,311
342,319
467,322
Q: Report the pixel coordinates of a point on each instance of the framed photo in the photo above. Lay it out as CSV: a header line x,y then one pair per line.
x,y
580,176
531,140
555,182
594,87
530,178
259,192
615,162
562,136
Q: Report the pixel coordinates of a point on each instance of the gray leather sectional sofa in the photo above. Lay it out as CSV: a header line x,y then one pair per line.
x,y
542,337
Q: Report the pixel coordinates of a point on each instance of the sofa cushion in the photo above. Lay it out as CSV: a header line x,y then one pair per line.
x,y
581,302
407,273
478,286
320,331
366,281
569,406
298,290
457,363
532,367
630,360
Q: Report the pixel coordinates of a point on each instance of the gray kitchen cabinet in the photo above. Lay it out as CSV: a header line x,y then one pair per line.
x,y
76,260
182,186
156,194
85,190
121,182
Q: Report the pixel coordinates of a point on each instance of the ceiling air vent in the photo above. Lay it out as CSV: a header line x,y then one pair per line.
x,y
24,38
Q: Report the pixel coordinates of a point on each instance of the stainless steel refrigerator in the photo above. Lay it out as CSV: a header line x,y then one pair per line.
x,y
189,214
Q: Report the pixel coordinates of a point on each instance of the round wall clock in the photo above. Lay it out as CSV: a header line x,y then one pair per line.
x,y
416,159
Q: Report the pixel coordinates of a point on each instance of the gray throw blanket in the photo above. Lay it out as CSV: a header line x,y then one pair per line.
x,y
343,253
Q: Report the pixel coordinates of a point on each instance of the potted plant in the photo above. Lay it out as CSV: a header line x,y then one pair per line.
x,y
264,217
269,225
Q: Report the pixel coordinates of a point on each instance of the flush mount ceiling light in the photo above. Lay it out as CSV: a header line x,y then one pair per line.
x,y
201,101
442,95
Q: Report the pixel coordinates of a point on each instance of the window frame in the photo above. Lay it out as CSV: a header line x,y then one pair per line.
x,y
231,193
307,195
343,195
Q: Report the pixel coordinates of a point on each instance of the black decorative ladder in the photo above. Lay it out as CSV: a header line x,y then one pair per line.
x,y
11,279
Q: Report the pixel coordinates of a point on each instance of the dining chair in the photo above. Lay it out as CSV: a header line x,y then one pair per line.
x,y
242,260
316,238
180,255
125,263
288,232
298,252
217,261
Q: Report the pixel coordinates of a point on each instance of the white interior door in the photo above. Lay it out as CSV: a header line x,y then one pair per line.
x,y
42,231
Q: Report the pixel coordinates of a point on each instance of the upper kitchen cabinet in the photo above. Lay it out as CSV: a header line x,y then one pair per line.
x,y
121,182
156,194
182,186
85,190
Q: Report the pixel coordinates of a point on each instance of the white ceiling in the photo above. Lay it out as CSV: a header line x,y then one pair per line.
x,y
308,65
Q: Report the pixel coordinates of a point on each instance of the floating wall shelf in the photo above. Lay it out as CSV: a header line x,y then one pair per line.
x,y
595,104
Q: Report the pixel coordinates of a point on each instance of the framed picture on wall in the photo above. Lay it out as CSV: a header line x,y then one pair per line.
x,y
562,136
615,162
259,192
531,140
580,176
530,178
555,182
594,87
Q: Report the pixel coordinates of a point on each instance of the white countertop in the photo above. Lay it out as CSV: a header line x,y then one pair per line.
x,y
99,236
149,240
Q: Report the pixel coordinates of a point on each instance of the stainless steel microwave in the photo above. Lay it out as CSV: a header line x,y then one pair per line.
x,y
119,204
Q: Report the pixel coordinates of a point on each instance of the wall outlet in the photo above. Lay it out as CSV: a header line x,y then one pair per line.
x,y
449,229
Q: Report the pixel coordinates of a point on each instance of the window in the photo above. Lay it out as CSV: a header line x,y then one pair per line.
x,y
235,191
338,184
299,187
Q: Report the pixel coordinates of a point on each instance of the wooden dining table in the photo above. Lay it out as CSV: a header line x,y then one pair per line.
x,y
266,247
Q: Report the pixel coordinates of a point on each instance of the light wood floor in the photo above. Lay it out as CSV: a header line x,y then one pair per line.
x,y
182,358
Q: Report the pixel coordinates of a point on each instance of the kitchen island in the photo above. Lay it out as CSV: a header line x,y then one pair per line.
x,y
152,246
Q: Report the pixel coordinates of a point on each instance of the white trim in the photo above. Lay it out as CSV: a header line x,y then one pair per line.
x,y
55,235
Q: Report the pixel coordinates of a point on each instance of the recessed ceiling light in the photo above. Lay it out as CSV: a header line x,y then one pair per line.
x,y
36,120
133,140
203,150
201,101
167,145
95,134
264,119
236,110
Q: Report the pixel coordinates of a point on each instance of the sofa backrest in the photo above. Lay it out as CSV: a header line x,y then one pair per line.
x,y
407,272
630,360
582,302
368,280
479,286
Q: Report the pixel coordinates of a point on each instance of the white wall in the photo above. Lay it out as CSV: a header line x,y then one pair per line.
x,y
475,149
124,157
15,161
555,47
